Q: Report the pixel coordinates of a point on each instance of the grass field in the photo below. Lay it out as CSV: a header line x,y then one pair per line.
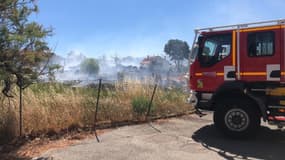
x,y
51,107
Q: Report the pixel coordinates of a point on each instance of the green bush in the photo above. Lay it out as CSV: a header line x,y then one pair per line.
x,y
140,104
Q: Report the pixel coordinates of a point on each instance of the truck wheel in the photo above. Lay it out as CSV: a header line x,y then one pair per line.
x,y
237,118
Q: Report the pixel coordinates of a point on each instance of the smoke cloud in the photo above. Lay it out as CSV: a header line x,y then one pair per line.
x,y
155,69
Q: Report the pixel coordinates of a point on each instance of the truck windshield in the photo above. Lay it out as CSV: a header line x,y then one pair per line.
x,y
214,49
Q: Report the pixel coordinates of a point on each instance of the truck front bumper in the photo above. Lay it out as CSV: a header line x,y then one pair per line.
x,y
200,100
192,99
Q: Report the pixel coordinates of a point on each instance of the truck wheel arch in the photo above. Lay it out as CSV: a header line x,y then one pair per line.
x,y
236,89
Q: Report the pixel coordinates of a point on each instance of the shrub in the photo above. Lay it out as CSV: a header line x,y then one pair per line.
x,y
140,104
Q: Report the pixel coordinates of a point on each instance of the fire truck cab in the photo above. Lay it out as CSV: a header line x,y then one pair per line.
x,y
238,71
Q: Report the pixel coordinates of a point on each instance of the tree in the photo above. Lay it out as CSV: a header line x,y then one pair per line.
x,y
89,66
177,50
23,49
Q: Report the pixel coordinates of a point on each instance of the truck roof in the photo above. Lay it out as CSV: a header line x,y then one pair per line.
x,y
263,25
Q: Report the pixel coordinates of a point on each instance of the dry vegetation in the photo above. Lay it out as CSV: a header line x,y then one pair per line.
x,y
51,107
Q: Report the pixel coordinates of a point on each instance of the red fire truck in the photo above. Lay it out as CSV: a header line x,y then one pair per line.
x,y
238,71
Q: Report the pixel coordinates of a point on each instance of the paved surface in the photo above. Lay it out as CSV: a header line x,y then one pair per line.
x,y
185,138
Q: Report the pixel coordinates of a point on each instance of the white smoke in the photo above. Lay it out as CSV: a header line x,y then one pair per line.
x,y
109,67
113,68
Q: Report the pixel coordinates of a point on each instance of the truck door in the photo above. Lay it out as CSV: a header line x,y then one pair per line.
x,y
260,56
213,55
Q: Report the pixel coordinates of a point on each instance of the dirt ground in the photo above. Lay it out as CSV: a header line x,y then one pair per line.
x,y
26,148
184,138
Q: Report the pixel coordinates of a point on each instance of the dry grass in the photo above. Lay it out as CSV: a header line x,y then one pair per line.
x,y
53,107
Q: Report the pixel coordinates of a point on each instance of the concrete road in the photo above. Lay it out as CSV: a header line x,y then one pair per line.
x,y
185,138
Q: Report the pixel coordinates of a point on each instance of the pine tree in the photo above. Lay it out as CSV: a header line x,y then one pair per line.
x,y
23,49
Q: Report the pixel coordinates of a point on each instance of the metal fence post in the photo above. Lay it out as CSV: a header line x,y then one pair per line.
x,y
150,102
149,108
21,110
96,109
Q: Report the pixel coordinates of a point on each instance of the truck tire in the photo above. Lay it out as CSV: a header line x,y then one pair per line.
x,y
237,118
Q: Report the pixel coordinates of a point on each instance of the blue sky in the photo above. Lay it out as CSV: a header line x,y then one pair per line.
x,y
141,27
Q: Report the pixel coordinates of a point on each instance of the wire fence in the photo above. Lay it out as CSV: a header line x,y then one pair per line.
x,y
148,106
96,104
